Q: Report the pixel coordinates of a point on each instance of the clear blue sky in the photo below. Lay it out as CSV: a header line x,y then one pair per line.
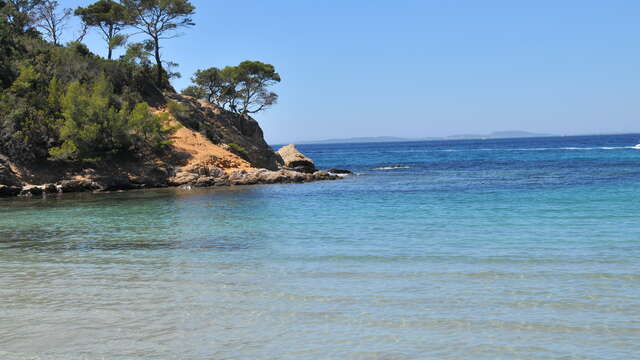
x,y
420,68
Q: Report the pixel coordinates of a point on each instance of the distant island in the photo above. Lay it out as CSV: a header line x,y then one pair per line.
x,y
493,135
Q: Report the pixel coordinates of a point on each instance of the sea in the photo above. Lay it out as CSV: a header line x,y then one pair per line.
x,y
468,249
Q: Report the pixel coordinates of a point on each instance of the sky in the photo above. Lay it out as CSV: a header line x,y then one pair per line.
x,y
424,68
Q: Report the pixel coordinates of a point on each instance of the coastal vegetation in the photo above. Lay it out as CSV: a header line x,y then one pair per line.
x,y
110,18
242,89
65,103
238,148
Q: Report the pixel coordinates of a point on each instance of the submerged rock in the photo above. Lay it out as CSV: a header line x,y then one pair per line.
x,y
292,159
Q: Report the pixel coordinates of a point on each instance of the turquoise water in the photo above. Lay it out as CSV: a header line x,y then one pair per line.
x,y
487,249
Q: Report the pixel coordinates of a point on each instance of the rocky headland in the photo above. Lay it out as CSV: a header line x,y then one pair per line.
x,y
210,147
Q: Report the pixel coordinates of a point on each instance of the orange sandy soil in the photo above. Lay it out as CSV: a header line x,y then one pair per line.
x,y
196,150
189,149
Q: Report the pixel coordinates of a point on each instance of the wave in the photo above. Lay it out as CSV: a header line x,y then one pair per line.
x,y
392,167
544,149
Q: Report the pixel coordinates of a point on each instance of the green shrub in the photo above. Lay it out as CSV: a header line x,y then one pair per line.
x,y
238,148
93,127
179,111
150,128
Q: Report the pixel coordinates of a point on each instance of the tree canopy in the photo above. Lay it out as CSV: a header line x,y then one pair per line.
x,y
217,86
110,18
20,13
243,89
160,19
7,47
254,78
50,20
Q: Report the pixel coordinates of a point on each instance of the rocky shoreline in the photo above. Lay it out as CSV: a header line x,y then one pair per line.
x,y
184,180
295,168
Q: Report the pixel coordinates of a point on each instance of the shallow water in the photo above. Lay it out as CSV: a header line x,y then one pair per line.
x,y
487,249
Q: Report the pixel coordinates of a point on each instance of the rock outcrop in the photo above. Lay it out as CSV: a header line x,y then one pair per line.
x,y
78,185
240,134
7,176
210,147
248,177
293,159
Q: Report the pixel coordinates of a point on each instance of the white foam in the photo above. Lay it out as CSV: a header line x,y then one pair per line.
x,y
549,149
391,167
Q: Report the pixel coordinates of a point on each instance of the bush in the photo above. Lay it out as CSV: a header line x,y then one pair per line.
x,y
194,91
238,149
149,128
179,111
94,128
27,124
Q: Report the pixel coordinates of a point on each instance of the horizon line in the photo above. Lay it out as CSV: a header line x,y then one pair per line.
x,y
442,138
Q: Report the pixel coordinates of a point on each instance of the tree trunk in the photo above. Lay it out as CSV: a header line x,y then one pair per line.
x,y
54,35
109,39
158,62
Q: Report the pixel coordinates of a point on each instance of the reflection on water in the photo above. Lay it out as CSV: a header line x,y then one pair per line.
x,y
387,266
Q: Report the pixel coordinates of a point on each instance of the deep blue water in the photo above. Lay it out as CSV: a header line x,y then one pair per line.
x,y
474,249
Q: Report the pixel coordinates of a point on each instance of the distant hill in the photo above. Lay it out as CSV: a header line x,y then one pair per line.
x,y
374,139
